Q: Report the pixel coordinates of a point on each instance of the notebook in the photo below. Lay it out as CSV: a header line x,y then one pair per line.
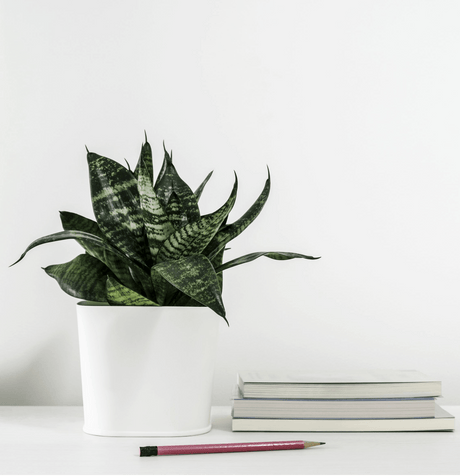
x,y
443,421
360,384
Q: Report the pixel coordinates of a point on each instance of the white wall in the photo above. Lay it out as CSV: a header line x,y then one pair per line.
x,y
354,105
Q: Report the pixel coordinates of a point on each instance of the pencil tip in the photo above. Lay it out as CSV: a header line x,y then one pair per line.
x,y
322,443
308,444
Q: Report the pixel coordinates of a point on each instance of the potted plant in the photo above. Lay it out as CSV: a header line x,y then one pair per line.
x,y
150,279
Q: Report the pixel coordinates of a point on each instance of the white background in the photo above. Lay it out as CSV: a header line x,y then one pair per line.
x,y
354,106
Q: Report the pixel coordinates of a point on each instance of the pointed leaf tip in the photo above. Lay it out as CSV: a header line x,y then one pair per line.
x,y
168,155
15,262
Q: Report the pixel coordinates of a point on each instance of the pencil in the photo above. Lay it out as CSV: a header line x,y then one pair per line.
x,y
226,447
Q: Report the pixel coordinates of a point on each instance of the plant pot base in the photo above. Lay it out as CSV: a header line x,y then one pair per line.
x,y
154,433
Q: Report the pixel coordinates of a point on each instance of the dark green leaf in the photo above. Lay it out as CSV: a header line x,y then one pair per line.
x,y
84,277
184,209
163,188
145,161
164,291
187,201
194,237
195,277
119,295
185,301
216,262
126,271
199,190
74,235
231,231
278,255
116,205
156,222
73,221
175,212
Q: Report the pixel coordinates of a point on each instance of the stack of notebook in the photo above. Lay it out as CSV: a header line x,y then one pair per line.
x,y
360,401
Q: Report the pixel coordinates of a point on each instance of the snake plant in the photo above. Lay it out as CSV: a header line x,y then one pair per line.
x,y
149,244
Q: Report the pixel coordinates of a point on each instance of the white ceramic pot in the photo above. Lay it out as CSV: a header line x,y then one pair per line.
x,y
146,371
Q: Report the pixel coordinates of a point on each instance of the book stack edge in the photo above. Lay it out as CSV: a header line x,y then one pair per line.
x,y
359,401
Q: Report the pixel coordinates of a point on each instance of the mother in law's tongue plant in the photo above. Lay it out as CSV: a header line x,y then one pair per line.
x,y
150,245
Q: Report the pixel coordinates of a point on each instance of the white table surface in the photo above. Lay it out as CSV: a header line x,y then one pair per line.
x,y
50,440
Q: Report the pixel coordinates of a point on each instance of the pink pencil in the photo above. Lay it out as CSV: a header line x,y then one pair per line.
x,y
226,447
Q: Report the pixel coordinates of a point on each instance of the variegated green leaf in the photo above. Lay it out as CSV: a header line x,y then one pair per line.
x,y
216,262
156,221
84,277
163,188
145,161
218,258
119,295
231,231
93,242
184,209
175,212
116,205
195,277
165,292
277,255
194,237
73,221
73,235
200,189
188,205
181,299
126,272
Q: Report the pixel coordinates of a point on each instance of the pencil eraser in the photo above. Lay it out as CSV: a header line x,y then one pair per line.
x,y
149,451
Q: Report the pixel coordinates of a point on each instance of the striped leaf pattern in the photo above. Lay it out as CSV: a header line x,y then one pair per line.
x,y
145,161
73,221
94,242
84,277
119,295
127,272
157,224
175,212
176,195
194,237
119,267
149,244
79,236
116,205
163,188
